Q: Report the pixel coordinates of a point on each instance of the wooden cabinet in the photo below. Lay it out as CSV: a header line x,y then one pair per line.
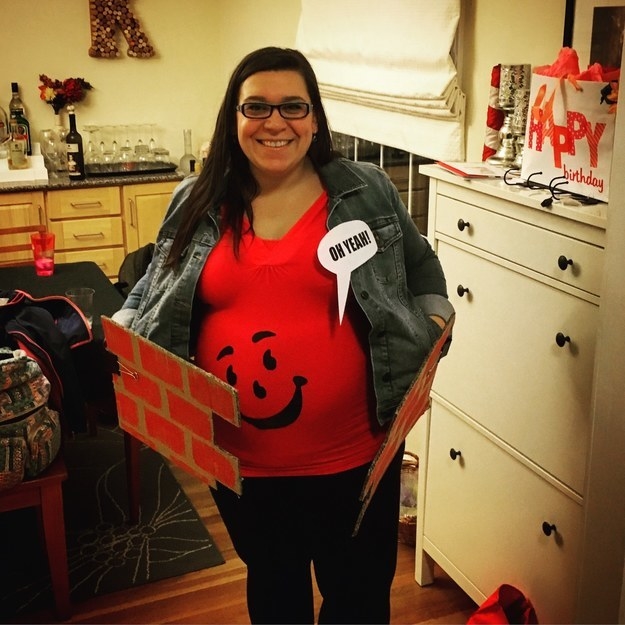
x,y
144,208
88,225
20,209
101,224
504,446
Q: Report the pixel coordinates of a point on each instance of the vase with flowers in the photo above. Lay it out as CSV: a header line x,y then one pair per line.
x,y
58,94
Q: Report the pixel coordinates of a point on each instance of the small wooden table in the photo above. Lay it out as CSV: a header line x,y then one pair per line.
x,y
46,494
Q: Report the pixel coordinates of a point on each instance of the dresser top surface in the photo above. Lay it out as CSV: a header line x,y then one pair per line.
x,y
591,214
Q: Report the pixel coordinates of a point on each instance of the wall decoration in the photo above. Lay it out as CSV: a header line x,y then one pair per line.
x,y
60,93
106,17
595,30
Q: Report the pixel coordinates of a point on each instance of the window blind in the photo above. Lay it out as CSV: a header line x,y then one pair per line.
x,y
386,72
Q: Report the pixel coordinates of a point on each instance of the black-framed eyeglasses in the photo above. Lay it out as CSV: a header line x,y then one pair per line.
x,y
263,110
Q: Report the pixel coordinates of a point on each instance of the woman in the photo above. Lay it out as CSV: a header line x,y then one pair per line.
x,y
236,283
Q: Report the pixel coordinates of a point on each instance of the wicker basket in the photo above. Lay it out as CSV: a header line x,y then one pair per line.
x,y
408,522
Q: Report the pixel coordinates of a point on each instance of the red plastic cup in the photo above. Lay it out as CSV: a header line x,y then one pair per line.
x,y
43,252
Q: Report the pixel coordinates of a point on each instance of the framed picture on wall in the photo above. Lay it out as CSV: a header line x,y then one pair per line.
x,y
597,28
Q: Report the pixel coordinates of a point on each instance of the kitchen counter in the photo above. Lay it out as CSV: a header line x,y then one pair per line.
x,y
58,183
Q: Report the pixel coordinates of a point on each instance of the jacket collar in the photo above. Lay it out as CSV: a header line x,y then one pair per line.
x,y
340,178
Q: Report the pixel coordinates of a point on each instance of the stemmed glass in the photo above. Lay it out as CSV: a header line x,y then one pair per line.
x,y
93,153
51,149
151,134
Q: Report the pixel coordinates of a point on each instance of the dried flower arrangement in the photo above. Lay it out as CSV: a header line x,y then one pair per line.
x,y
60,93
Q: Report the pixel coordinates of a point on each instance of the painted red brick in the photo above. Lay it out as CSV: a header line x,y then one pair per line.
x,y
165,431
189,416
144,387
213,392
118,341
127,407
218,463
225,404
156,361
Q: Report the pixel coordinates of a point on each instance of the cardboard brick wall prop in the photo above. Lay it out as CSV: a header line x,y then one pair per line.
x,y
414,403
169,404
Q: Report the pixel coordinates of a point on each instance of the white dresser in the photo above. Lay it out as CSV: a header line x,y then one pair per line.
x,y
503,449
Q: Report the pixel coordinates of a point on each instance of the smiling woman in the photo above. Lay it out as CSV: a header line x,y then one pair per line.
x,y
276,145
235,275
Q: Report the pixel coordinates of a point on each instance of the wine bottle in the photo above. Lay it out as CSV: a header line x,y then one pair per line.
x,y
17,113
75,153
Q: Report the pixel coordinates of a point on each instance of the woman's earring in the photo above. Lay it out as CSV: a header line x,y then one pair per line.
x,y
314,137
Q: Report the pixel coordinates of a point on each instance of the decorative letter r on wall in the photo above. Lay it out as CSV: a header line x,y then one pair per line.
x,y
105,17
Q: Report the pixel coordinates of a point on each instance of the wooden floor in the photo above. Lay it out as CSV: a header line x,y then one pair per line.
x,y
217,595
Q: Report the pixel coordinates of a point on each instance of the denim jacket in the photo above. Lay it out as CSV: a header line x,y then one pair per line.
x,y
398,288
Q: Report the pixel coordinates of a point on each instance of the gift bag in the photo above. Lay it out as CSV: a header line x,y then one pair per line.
x,y
506,605
569,135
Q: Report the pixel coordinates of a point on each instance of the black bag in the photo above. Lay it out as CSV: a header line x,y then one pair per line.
x,y
47,329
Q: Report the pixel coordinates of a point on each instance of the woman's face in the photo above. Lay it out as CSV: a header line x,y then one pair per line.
x,y
275,146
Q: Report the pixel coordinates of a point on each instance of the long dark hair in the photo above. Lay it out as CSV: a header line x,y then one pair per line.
x,y
226,181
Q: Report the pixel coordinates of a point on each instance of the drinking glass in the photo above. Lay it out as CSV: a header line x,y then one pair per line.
x,y
82,296
42,244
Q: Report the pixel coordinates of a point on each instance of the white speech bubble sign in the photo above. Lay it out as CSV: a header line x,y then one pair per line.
x,y
344,248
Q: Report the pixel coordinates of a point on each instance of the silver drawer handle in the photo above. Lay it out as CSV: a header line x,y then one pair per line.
x,y
95,235
96,204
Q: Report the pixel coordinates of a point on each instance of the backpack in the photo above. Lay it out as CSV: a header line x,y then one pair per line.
x,y
133,267
30,431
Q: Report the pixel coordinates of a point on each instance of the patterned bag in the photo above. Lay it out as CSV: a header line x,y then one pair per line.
x,y
30,432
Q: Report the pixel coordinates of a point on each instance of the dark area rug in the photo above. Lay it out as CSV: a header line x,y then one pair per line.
x,y
105,552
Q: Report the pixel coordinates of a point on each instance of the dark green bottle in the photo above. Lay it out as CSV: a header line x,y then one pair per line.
x,y
18,116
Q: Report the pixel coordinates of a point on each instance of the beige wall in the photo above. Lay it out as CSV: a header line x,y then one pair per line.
x,y
198,42
504,31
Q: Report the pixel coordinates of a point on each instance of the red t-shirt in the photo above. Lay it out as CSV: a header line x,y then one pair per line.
x,y
271,329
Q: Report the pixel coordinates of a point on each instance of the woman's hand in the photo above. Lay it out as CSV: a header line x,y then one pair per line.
x,y
439,321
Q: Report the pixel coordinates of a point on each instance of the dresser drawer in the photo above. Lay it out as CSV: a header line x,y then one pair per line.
x,y
109,259
484,515
537,249
505,368
77,203
75,234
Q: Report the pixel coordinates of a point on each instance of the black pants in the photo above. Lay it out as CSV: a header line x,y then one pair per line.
x,y
279,526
